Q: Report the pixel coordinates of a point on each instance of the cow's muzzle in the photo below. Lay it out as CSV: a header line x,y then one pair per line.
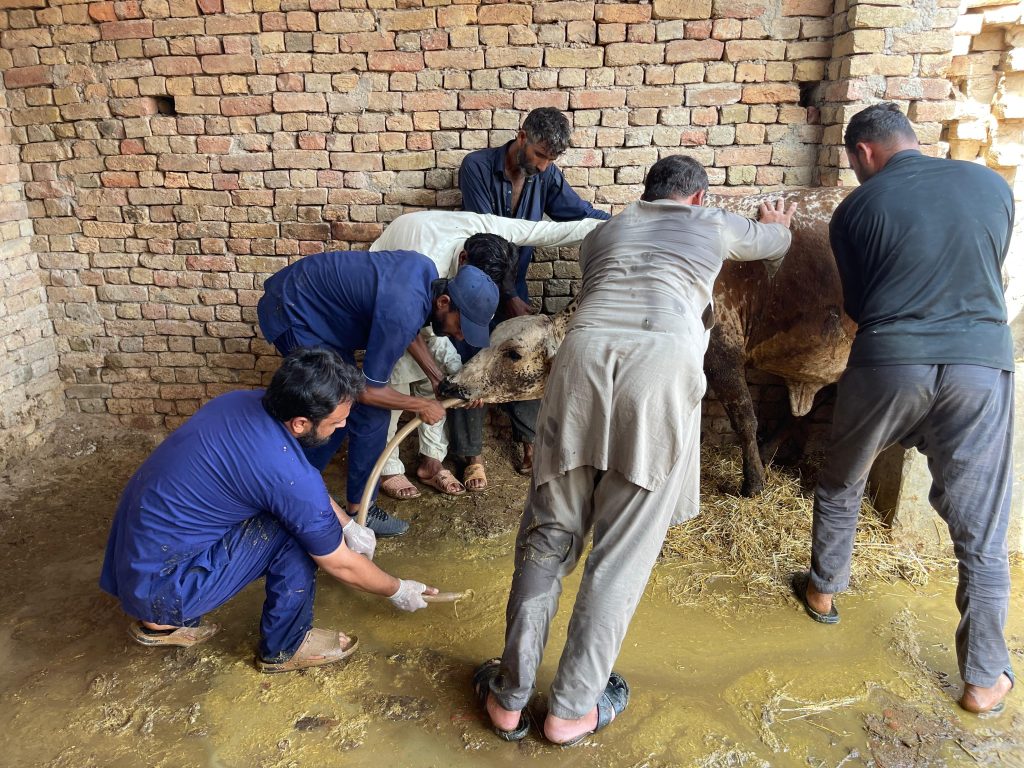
x,y
448,388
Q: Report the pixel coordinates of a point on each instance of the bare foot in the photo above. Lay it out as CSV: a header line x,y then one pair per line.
x,y
980,700
157,627
558,730
819,601
505,719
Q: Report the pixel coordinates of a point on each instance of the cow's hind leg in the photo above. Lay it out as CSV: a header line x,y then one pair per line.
x,y
725,369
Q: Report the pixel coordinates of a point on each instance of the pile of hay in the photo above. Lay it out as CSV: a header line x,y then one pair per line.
x,y
756,543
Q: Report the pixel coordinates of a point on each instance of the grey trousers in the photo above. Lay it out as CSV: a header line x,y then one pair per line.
x,y
961,418
629,524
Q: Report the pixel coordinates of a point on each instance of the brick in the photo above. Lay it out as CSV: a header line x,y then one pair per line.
x,y
406,21
917,88
362,42
605,99
859,41
712,95
770,93
28,77
500,56
235,106
740,9
529,100
550,12
877,64
228,63
808,7
622,13
429,101
356,232
936,41
931,111
126,30
464,59
504,14
682,9
755,50
752,155
300,102
642,156
879,17
347,21
574,57
456,16
395,61
626,54
176,65
679,51
102,12
654,97
486,100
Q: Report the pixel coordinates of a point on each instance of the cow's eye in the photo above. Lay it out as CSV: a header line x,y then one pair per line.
x,y
513,355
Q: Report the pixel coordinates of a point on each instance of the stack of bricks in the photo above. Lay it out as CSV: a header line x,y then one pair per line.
x,y
987,71
31,395
179,151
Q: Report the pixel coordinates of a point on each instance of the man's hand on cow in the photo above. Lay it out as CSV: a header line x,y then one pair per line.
x,y
431,412
471,404
776,212
516,307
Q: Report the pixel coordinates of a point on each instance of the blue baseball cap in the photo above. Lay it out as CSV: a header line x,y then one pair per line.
x,y
476,297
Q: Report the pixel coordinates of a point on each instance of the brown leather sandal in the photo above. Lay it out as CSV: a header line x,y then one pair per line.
x,y
319,647
474,472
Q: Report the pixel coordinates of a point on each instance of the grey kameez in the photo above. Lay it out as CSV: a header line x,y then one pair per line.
x,y
618,435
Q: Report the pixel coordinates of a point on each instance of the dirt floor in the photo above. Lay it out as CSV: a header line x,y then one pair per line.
x,y
724,681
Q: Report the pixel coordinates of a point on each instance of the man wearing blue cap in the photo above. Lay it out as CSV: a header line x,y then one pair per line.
x,y
349,300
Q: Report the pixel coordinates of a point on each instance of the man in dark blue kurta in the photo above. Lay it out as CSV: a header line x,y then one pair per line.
x,y
518,180
352,300
230,497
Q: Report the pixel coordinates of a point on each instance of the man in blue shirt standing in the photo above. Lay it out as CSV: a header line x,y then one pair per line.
x,y
355,300
229,497
519,181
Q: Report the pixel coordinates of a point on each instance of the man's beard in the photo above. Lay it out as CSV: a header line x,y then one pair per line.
x,y
312,439
529,170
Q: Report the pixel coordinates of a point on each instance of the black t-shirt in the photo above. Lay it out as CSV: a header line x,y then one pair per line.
x,y
920,247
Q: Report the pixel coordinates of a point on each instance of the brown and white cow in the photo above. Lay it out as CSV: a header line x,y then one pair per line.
x,y
791,325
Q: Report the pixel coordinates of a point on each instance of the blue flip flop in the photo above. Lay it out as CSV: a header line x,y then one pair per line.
x,y
612,703
798,583
482,678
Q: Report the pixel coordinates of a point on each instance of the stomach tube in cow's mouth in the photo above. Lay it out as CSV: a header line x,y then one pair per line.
x,y
448,388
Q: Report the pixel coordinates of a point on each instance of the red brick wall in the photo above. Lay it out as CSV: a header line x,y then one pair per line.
x,y
177,152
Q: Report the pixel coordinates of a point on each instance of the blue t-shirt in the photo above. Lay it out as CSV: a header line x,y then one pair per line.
x,y
230,462
350,300
486,189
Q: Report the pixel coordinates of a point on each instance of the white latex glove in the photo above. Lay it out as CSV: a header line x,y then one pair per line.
x,y
409,596
359,538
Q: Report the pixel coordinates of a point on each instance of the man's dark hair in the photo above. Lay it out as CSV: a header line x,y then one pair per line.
x,y
311,382
546,125
496,257
674,176
880,123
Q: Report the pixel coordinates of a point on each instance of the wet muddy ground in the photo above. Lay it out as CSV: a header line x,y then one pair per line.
x,y
728,681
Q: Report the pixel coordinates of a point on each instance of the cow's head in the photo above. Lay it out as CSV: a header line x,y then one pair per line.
x,y
516,364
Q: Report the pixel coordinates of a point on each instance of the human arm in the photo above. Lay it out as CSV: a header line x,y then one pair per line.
x,y
382,396
424,358
561,203
767,239
359,538
357,571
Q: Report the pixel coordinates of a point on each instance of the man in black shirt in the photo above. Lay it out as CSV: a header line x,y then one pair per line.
x,y
920,246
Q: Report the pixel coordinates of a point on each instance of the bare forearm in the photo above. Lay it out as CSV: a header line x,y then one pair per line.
x,y
357,571
421,354
386,397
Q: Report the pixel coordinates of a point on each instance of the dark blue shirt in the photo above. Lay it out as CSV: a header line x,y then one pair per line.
x,y
351,300
486,189
230,462
920,246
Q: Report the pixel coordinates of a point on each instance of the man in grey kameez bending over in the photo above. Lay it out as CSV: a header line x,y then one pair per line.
x,y
619,419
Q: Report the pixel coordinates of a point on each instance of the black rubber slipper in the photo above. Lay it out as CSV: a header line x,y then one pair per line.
x,y
612,703
798,583
482,677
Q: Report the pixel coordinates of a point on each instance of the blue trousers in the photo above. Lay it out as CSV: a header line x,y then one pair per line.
x,y
961,418
258,547
366,429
